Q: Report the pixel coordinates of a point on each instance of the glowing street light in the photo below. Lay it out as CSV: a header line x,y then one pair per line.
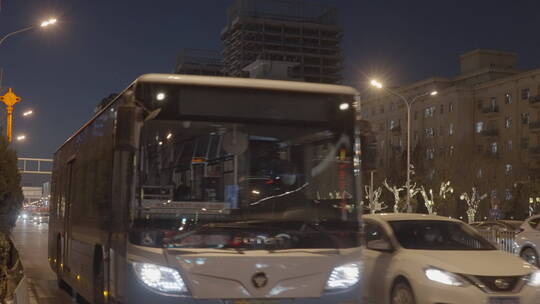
x,y
21,137
27,113
408,102
43,24
46,23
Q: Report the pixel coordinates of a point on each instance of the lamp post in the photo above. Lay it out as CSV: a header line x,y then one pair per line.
x,y
10,98
408,104
43,24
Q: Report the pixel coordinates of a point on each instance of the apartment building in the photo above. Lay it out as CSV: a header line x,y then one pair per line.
x,y
302,35
481,130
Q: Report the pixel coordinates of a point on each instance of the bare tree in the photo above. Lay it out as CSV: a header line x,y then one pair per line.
x,y
473,203
373,199
395,191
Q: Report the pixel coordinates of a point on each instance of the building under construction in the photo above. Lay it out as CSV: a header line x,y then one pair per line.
x,y
303,34
199,62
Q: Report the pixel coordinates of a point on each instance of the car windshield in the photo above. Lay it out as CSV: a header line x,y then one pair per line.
x,y
230,181
438,235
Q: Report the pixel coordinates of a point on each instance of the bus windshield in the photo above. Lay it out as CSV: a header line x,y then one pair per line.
x,y
229,180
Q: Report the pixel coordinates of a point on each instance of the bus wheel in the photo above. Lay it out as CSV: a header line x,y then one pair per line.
x,y
99,278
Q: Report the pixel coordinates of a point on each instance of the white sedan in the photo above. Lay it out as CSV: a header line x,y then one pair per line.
x,y
421,259
528,240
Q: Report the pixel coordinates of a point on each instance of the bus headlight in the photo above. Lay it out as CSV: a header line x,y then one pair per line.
x,y
344,276
534,279
160,278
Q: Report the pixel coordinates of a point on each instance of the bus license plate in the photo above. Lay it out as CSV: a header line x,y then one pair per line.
x,y
503,300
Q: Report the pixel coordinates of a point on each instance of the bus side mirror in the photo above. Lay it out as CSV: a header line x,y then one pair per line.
x,y
128,123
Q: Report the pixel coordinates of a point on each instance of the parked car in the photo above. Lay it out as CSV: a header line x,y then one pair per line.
x,y
499,225
418,258
528,240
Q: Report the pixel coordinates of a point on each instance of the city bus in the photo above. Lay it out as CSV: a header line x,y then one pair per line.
x,y
196,189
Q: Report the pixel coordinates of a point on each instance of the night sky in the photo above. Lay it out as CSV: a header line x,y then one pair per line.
x,y
100,46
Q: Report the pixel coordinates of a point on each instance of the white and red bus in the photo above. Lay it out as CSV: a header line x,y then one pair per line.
x,y
193,189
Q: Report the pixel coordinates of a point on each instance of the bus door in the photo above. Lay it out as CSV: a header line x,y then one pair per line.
x,y
67,214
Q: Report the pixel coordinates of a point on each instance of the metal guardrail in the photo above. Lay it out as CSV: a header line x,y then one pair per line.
x,y
504,240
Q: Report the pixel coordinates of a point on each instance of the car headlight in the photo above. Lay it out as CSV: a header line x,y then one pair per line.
x,y
534,279
24,216
444,277
160,278
344,276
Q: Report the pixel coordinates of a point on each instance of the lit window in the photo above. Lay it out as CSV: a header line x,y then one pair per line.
x,y
430,153
508,122
451,129
493,102
494,148
508,98
479,126
508,194
430,111
479,173
508,169
429,132
451,150
431,174
450,107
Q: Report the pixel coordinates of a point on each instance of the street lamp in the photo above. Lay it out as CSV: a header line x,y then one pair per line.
x,y
408,103
21,137
27,113
43,24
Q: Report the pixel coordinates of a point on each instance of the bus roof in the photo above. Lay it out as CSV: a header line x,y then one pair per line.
x,y
231,82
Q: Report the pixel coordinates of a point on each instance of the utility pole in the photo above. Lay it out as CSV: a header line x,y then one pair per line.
x,y
10,99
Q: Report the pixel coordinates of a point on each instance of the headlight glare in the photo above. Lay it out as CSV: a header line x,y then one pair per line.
x,y
344,276
443,277
534,279
160,278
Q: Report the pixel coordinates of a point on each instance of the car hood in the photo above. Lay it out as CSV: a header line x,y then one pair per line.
x,y
481,262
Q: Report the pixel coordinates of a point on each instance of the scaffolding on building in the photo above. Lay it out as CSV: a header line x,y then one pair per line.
x,y
199,62
286,31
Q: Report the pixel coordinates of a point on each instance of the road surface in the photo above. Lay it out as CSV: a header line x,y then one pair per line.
x,y
31,241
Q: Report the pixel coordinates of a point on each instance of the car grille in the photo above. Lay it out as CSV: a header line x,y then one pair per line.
x,y
498,284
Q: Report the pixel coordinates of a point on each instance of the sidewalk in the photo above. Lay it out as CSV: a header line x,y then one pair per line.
x,y
31,241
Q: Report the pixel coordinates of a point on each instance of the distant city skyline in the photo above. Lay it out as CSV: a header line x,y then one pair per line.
x,y
100,47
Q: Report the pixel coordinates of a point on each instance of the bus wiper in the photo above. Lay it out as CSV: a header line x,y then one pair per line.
x,y
183,251
299,250
279,195
325,233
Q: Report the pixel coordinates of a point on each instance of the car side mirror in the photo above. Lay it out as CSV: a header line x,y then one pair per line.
x,y
380,245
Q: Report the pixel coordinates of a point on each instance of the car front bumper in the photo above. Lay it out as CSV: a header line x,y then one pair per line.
x,y
431,293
